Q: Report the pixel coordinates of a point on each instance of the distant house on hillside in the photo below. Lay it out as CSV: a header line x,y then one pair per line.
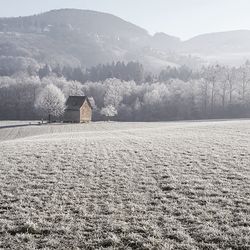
x,y
78,109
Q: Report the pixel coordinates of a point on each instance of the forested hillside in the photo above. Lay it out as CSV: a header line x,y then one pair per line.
x,y
80,38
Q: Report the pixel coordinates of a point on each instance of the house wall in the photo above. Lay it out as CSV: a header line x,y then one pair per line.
x,y
71,116
85,112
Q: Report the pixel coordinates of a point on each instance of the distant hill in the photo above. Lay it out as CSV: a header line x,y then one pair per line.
x,y
166,42
231,47
69,36
82,37
220,42
87,38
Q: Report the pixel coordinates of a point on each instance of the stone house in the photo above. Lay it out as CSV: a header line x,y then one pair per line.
x,y
78,109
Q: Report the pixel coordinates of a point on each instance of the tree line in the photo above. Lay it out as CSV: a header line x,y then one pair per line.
x,y
23,64
212,92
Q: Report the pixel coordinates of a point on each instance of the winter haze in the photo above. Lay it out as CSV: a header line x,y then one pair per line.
x,y
124,124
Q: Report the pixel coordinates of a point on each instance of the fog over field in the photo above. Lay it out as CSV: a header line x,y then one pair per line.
x,y
126,186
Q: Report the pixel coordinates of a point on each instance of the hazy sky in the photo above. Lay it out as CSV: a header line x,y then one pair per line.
x,y
182,18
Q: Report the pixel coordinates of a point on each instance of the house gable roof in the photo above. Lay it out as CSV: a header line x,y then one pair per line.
x,y
76,102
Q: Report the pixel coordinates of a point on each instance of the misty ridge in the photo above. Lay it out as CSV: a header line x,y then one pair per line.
x,y
129,74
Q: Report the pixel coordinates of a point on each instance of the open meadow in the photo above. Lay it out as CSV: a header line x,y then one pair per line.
x,y
110,185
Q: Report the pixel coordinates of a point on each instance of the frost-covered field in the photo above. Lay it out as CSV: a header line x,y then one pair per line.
x,y
126,186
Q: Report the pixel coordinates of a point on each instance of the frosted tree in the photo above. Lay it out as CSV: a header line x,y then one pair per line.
x,y
222,85
75,88
109,111
137,104
92,102
59,82
210,75
243,76
96,90
114,92
230,77
45,71
51,101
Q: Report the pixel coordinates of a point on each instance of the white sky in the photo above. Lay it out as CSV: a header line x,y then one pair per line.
x,y
182,18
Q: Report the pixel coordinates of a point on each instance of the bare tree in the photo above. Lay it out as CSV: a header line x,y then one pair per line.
x,y
223,78
210,74
230,75
244,79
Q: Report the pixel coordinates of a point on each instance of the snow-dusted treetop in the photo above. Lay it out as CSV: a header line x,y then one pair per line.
x,y
51,101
